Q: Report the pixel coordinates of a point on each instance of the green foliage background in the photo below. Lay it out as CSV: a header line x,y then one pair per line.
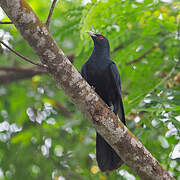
x,y
39,141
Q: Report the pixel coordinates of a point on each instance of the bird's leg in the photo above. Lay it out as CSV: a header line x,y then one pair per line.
x,y
111,107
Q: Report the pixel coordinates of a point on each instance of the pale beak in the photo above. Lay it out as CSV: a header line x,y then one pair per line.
x,y
91,33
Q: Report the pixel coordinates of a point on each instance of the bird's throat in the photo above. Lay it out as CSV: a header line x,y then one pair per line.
x,y
100,52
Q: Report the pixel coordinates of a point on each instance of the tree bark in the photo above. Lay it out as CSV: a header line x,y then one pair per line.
x,y
128,147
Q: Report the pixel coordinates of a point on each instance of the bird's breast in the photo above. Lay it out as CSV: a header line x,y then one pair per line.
x,y
100,79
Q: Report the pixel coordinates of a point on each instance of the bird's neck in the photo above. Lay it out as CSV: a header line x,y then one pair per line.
x,y
100,53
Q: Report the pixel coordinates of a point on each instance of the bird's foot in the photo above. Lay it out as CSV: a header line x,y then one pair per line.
x,y
111,107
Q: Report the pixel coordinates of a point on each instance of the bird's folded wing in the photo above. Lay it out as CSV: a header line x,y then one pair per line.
x,y
117,82
83,72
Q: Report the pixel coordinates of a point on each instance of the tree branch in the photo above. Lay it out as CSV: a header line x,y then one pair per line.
x,y
28,72
23,70
50,13
6,22
142,56
15,74
128,147
117,48
23,57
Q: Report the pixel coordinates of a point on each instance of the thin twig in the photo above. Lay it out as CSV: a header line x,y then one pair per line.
x,y
142,56
164,79
23,57
148,51
6,22
154,88
50,13
117,48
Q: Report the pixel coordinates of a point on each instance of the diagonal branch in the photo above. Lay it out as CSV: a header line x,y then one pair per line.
x,y
50,13
23,57
142,56
106,123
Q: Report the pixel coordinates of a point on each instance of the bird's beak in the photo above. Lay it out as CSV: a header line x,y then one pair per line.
x,y
91,33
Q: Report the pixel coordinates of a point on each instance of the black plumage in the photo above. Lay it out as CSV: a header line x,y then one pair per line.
x,y
102,73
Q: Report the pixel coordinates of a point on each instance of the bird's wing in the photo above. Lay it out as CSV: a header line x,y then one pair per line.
x,y
83,72
117,82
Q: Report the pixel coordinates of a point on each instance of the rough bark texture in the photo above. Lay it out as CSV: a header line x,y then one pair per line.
x,y
133,153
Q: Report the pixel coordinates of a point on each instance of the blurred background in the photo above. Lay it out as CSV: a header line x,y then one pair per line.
x,y
43,135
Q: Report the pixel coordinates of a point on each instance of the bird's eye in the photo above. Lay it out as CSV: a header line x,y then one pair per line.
x,y
100,37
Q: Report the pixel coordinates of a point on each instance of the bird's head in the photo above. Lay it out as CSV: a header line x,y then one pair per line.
x,y
99,40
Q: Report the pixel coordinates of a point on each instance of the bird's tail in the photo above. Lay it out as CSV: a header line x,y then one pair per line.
x,y
107,158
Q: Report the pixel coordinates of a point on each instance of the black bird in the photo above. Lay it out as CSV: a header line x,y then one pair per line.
x,y
102,73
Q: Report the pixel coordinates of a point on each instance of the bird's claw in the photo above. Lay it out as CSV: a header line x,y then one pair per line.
x,y
111,107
